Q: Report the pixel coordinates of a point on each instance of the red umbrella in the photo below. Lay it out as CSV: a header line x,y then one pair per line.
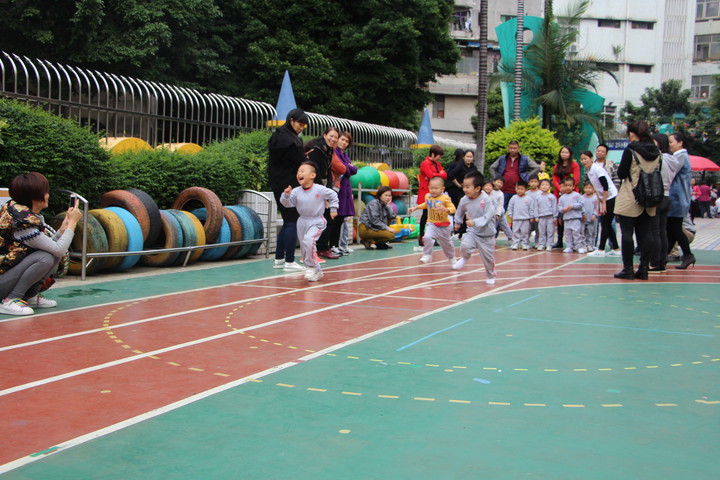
x,y
700,164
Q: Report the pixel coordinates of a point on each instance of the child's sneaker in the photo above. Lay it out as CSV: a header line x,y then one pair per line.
x,y
490,281
425,259
459,264
337,251
582,250
315,276
345,250
38,301
452,261
549,248
15,306
614,253
292,267
513,246
278,263
418,249
596,253
308,272
568,250
526,247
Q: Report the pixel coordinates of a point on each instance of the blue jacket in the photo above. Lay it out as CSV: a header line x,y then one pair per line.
x,y
502,164
680,187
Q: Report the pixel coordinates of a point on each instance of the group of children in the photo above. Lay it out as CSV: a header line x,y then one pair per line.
x,y
533,209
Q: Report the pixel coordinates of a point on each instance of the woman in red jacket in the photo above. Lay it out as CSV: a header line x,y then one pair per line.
x,y
429,168
564,168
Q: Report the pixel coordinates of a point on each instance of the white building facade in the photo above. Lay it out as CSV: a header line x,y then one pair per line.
x,y
706,51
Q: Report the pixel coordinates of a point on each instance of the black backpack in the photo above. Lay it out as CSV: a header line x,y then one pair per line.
x,y
649,191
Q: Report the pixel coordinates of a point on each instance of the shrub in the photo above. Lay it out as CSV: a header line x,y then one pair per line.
x,y
67,154
535,142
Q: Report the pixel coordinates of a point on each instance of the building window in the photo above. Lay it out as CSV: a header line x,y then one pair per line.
x,y
640,68
607,23
707,9
505,18
608,116
439,106
702,86
707,47
462,20
642,25
610,67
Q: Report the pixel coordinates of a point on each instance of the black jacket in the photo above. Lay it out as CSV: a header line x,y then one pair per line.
x,y
285,156
321,155
647,150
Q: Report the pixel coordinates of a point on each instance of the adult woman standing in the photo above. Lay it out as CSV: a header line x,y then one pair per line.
x,y
641,153
345,196
456,177
659,225
564,168
606,192
680,197
453,189
285,156
320,152
429,168
374,222
30,251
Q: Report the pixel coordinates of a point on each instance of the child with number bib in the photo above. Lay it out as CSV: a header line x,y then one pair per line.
x,y
439,227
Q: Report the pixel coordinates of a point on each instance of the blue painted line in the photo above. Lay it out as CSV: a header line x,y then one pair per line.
x,y
516,303
654,330
433,334
364,306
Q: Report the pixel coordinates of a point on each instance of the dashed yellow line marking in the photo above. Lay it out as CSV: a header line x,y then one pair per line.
x,y
535,404
285,385
317,389
610,405
459,401
388,396
498,403
424,399
357,394
573,406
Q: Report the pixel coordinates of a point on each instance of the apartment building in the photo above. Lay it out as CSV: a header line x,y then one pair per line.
x,y
706,48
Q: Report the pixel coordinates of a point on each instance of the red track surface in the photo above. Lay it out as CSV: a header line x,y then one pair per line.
x,y
127,359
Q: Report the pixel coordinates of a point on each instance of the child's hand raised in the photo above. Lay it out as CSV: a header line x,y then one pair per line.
x,y
412,209
288,190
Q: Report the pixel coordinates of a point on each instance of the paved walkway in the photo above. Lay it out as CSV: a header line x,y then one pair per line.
x,y
708,234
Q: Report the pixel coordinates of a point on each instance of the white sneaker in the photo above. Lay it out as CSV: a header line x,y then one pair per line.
x,y
459,264
38,301
526,247
568,250
490,281
309,271
425,259
346,250
15,306
549,248
513,247
337,251
278,263
292,267
418,249
452,261
596,253
614,253
582,250
316,275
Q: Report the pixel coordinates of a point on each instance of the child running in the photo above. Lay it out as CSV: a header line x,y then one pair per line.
x,y
479,212
309,200
499,199
590,222
534,193
570,206
438,228
522,211
546,216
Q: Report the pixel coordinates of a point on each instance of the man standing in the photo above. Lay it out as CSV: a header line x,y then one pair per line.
x,y
512,167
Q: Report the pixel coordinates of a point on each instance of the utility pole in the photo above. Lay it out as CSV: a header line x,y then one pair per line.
x,y
519,39
482,87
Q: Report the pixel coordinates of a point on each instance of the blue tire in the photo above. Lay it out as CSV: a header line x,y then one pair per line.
x,y
135,238
224,236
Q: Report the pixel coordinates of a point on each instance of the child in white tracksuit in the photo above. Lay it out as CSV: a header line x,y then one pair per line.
x,y
570,206
590,202
498,197
522,211
546,216
310,199
479,212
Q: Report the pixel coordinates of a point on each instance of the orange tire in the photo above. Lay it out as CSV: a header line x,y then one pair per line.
x,y
131,203
212,205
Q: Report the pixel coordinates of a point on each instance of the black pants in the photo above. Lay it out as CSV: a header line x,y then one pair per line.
x,y
642,227
659,233
607,233
323,242
423,221
675,234
333,228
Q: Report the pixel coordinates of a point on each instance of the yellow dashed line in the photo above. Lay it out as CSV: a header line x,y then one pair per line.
x,y
459,401
351,393
423,399
317,389
388,396
221,374
498,403
534,404
666,404
285,385
580,369
608,405
195,369
573,406
173,364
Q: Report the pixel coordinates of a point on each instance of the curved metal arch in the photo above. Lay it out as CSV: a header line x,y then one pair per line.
x,y
237,111
166,99
27,61
221,120
69,85
144,107
25,71
181,104
254,117
14,70
89,74
194,103
49,81
212,122
152,103
124,96
129,81
47,64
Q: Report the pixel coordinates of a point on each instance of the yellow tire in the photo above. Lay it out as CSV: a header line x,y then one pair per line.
x,y
116,234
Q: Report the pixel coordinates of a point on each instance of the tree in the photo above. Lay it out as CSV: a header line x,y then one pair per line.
x,y
370,60
495,113
659,105
536,142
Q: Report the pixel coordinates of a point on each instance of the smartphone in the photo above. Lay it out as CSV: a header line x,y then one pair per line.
x,y
73,201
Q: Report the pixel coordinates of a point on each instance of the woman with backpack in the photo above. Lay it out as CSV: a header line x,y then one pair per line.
x,y
641,155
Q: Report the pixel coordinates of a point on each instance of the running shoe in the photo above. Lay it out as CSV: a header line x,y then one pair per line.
x,y
38,301
459,264
15,306
292,267
425,259
596,253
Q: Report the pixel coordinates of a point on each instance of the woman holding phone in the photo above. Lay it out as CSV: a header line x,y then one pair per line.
x,y
30,250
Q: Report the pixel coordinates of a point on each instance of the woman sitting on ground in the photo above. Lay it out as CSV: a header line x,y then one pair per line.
x,y
375,221
30,251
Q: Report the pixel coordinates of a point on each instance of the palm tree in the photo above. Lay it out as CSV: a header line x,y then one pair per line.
x,y
482,88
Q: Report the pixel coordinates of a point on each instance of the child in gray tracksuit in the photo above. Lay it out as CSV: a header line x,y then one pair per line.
x,y
309,199
570,206
590,223
546,216
522,211
498,197
479,212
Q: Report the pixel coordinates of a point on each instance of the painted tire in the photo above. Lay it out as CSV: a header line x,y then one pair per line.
x,y
97,242
214,253
153,215
134,236
199,234
115,232
212,204
236,233
245,215
190,234
171,236
131,203
259,231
